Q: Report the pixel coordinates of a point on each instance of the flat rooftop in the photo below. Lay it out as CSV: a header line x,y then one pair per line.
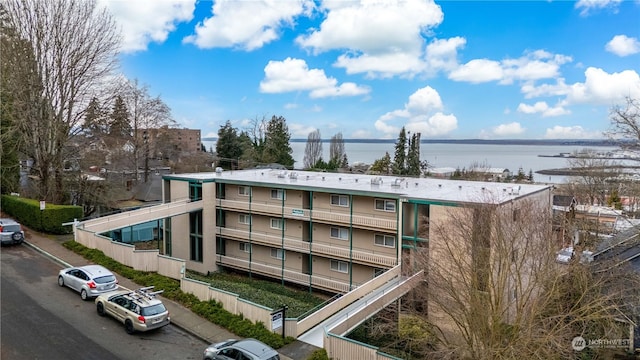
x,y
431,189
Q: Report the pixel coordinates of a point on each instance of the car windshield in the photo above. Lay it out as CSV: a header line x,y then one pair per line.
x,y
153,310
10,228
105,279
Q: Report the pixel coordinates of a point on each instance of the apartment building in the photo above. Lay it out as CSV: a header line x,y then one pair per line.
x,y
327,231
180,140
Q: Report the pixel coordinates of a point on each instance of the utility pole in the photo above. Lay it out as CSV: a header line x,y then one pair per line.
x,y
145,136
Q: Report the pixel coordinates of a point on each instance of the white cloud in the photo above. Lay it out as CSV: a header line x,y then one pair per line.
x,y
603,88
600,88
295,75
586,6
289,106
247,25
361,134
420,114
300,130
144,22
542,108
380,38
478,71
532,66
510,129
570,132
622,45
442,54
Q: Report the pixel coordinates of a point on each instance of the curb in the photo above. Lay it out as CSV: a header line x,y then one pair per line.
x,y
49,255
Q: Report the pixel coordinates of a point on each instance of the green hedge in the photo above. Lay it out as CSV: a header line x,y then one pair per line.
x,y
210,310
49,220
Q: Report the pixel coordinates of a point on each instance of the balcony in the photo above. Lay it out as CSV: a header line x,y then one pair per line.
x,y
367,221
288,275
360,256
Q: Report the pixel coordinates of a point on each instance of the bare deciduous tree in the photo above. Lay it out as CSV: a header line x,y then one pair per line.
x,y
74,46
336,149
625,122
313,149
146,113
494,290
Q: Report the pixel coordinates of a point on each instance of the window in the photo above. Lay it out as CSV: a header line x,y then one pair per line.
x,y
195,235
340,266
244,219
386,205
244,191
339,233
340,200
278,194
385,240
195,191
277,224
246,247
277,253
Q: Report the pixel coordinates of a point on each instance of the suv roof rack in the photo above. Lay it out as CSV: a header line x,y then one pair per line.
x,y
144,293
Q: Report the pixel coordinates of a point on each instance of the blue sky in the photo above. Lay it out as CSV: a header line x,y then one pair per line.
x,y
448,69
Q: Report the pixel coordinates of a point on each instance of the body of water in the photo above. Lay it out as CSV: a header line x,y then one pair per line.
x,y
441,155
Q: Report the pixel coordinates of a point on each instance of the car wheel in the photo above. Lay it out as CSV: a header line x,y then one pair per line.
x,y
83,294
17,237
60,280
128,327
100,309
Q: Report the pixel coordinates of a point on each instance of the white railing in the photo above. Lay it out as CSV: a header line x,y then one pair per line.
x,y
306,247
322,215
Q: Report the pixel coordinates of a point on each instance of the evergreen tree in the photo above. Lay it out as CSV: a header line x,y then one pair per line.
x,y
399,159
382,165
228,147
276,147
313,149
96,122
530,175
413,157
119,126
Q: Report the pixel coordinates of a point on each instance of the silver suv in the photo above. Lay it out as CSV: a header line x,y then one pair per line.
x,y
11,232
138,310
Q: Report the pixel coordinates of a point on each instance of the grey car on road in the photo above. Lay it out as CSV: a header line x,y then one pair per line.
x,y
90,280
11,232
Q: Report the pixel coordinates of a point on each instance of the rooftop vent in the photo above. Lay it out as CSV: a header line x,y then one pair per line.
x,y
439,185
376,181
218,170
459,187
397,182
356,180
323,178
293,175
307,177
282,174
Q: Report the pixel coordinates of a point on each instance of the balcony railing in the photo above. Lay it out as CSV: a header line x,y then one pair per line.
x,y
289,275
361,256
321,215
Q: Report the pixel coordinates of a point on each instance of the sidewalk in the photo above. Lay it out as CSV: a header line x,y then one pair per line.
x,y
180,316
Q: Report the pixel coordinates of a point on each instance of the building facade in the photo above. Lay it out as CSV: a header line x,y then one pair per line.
x,y
327,231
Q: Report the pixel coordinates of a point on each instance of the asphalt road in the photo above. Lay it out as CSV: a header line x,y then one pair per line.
x,y
40,320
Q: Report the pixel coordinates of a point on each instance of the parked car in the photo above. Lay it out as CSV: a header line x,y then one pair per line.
x,y
247,349
90,280
565,255
11,232
138,310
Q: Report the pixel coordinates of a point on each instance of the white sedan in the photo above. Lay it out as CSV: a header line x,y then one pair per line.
x,y
90,280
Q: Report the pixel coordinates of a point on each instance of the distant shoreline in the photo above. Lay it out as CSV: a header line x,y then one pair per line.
x,y
567,142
